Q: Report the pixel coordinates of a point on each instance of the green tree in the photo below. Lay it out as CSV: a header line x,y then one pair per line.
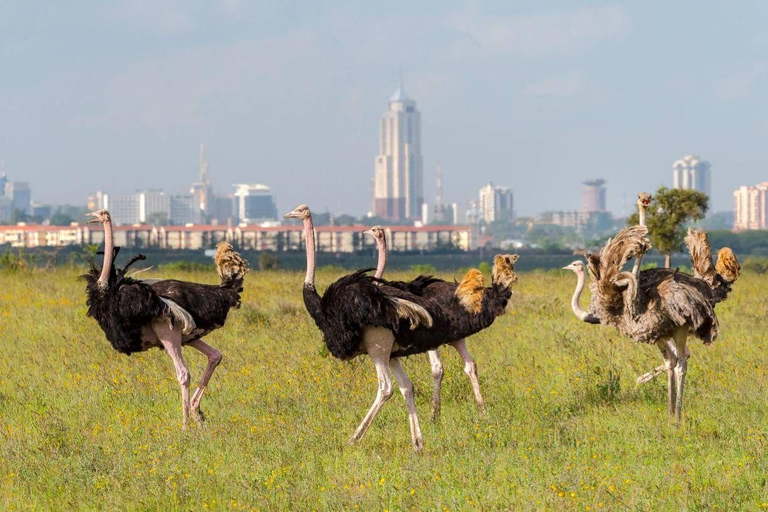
x,y
667,217
61,219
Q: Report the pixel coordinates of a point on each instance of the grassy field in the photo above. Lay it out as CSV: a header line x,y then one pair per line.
x,y
83,427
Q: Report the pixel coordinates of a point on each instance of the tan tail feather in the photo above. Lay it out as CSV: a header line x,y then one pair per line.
x,y
470,291
229,264
504,270
415,314
701,255
727,264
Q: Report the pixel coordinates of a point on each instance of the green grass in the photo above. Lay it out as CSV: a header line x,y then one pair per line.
x,y
83,427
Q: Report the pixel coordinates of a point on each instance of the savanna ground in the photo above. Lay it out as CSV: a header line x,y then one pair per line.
x,y
83,427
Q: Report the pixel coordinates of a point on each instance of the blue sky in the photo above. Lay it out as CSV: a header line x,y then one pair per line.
x,y
537,96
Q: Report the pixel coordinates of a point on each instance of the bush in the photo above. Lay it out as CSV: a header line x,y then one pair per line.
x,y
485,267
268,261
756,264
186,266
424,268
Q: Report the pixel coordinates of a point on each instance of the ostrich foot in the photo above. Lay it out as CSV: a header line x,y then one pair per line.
x,y
648,377
198,415
435,412
418,444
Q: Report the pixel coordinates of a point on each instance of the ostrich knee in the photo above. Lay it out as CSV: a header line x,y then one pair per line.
x,y
183,377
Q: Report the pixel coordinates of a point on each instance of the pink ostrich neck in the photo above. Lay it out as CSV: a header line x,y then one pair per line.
x,y
642,215
309,237
576,295
106,265
382,263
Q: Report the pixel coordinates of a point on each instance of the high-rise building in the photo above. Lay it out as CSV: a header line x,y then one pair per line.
x,y
495,203
95,201
692,173
124,209
254,203
202,191
593,196
750,205
399,186
20,195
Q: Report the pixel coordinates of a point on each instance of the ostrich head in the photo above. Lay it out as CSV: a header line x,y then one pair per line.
x,y
300,212
577,267
101,216
643,200
377,232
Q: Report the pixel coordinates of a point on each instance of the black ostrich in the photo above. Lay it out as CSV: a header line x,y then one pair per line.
x,y
359,315
469,307
137,315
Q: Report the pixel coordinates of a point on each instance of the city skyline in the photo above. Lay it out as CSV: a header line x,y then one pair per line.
x,y
532,96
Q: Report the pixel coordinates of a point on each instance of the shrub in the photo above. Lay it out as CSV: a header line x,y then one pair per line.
x,y
756,264
423,268
268,261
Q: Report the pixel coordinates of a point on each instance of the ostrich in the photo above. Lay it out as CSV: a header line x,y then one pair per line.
x,y
137,315
663,306
445,294
359,314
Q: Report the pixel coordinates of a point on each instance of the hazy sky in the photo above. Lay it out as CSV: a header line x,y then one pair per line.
x,y
540,96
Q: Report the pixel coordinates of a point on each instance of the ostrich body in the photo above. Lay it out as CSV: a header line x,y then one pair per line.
x,y
359,315
468,308
663,306
138,315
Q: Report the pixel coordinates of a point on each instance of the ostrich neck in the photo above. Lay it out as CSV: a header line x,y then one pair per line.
x,y
382,263
582,315
642,216
309,237
108,245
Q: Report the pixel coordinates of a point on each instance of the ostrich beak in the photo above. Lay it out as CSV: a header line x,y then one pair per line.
x,y
368,232
293,214
92,221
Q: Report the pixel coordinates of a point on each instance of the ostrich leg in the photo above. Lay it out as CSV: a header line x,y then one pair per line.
x,y
648,377
377,342
470,368
437,378
680,337
406,388
667,348
214,358
170,338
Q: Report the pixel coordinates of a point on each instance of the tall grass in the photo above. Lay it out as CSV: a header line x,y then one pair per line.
x,y
83,427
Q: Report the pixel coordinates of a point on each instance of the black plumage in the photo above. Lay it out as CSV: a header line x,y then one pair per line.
x,y
354,302
122,308
451,320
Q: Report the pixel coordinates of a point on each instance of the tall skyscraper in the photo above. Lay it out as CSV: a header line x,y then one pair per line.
x,y
254,203
750,205
593,196
692,173
399,187
202,191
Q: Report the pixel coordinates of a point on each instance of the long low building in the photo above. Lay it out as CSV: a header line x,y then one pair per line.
x,y
260,238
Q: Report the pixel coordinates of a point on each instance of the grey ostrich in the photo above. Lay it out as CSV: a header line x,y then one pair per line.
x,y
445,294
662,306
138,315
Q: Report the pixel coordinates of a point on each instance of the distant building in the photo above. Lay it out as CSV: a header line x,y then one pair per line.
x,y
95,201
202,191
399,181
495,203
20,195
125,210
750,205
253,204
224,213
6,209
692,173
593,196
